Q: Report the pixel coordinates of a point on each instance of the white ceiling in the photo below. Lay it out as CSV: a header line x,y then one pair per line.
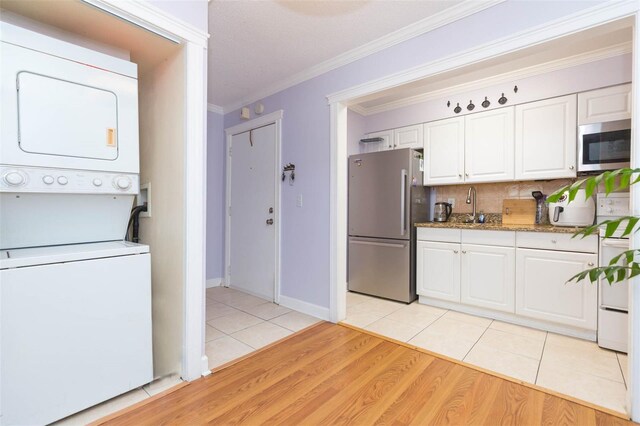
x,y
256,45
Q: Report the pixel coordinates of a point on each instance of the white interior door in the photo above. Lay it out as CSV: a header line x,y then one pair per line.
x,y
252,211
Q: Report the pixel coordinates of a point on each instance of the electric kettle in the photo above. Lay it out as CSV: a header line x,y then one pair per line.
x,y
441,212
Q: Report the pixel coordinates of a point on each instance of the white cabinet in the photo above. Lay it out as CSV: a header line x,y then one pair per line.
x,y
489,146
438,270
408,137
487,277
543,293
608,104
545,142
444,151
385,144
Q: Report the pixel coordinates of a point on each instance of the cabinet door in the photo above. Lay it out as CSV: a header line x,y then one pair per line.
x,y
546,139
488,277
542,290
386,144
489,146
444,151
608,104
408,137
438,270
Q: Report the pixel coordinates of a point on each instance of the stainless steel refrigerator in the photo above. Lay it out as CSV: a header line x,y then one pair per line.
x,y
386,198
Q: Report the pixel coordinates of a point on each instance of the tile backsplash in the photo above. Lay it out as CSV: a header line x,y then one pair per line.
x,y
490,195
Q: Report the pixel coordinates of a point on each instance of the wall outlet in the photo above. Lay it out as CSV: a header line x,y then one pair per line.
x,y
299,200
452,201
145,197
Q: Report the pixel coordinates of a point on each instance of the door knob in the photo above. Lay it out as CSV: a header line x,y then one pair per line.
x,y
269,221
270,209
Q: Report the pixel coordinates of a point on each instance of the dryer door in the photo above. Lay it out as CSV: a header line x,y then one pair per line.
x,y
58,117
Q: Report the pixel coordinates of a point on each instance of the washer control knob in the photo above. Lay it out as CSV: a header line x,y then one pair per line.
x,y
14,178
97,182
62,180
123,182
48,179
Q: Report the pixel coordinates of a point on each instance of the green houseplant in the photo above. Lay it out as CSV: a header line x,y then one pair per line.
x,y
624,265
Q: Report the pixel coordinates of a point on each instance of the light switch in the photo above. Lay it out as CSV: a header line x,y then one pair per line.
x,y
299,200
452,201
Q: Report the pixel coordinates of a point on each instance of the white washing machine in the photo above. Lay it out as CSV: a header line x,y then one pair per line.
x,y
76,328
75,299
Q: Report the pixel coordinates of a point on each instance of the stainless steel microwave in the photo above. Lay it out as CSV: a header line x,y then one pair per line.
x,y
604,146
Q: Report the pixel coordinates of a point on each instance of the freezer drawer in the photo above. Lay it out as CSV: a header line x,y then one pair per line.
x,y
73,335
382,268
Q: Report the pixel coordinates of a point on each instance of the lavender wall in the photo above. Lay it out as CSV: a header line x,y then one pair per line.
x,y
194,12
306,126
355,129
215,195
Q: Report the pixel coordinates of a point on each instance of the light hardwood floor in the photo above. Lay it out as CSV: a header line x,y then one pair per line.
x,y
331,374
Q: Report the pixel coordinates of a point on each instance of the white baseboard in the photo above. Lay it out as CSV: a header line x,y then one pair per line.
x,y
305,307
214,282
205,366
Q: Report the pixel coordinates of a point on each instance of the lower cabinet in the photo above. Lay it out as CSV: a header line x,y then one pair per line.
x,y
487,276
542,291
523,273
438,270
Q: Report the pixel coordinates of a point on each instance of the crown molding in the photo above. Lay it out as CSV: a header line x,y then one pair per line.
x,y
532,71
215,109
447,16
596,15
150,17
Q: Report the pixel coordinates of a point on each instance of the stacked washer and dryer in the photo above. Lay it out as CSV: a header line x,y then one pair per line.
x,y
75,297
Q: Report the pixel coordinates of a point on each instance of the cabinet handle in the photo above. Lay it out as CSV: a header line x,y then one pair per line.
x,y
460,175
570,167
590,264
464,252
554,241
455,251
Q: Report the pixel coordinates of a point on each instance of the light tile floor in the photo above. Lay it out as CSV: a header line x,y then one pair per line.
x,y
570,366
238,324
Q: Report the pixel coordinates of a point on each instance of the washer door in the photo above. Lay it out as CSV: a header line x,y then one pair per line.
x,y
58,117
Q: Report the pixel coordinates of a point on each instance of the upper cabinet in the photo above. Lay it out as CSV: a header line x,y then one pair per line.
x,y
545,143
608,104
408,137
384,145
444,151
489,146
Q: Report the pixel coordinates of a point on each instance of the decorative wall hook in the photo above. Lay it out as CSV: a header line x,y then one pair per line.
x,y
457,109
486,103
291,169
471,106
502,100
448,104
515,89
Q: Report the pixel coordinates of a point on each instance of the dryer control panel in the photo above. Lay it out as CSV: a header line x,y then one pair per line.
x,y
64,181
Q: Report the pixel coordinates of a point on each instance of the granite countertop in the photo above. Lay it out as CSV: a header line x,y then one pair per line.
x,y
494,223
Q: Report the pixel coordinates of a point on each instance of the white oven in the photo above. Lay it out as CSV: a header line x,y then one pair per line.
x,y
69,108
613,299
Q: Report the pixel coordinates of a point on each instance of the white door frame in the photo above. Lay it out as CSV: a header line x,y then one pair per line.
x,y
339,101
272,118
195,42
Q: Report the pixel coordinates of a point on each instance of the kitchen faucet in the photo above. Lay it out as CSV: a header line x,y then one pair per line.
x,y
473,215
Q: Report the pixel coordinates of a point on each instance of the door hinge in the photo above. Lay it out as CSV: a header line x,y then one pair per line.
x,y
229,210
229,151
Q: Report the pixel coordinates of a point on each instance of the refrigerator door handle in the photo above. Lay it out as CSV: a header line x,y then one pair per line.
x,y
371,243
403,201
